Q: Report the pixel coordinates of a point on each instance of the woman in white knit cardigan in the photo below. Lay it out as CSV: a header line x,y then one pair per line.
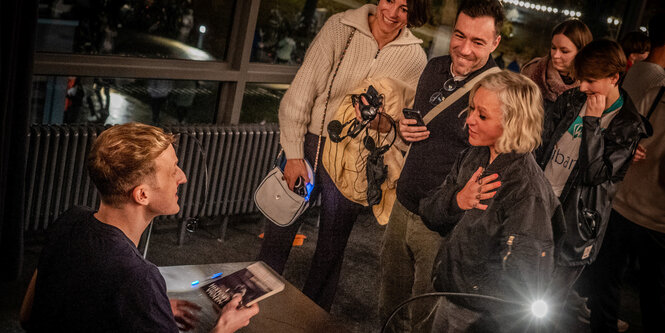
x,y
379,45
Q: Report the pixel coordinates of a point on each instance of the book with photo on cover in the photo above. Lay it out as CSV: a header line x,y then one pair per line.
x,y
255,282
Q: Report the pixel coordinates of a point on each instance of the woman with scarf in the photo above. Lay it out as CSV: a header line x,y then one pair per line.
x,y
552,72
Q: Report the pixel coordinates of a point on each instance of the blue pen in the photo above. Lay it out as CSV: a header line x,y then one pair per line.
x,y
212,277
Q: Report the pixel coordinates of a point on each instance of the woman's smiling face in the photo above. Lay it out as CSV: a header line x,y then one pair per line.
x,y
391,15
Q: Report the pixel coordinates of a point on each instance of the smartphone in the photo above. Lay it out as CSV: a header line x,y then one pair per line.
x,y
300,188
414,114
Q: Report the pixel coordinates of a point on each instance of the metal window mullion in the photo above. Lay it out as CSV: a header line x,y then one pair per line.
x,y
240,49
266,73
91,65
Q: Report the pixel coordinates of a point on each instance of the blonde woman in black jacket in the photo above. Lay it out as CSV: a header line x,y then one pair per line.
x,y
496,211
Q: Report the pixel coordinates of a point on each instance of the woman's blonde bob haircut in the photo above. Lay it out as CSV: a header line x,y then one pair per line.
x,y
522,106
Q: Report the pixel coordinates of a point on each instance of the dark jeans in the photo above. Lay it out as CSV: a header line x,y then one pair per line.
x,y
624,237
453,318
408,251
337,217
563,280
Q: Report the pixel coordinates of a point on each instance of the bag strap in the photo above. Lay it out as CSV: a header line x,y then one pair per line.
x,y
325,109
457,94
453,98
655,102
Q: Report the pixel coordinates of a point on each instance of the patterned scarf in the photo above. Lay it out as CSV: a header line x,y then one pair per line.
x,y
548,79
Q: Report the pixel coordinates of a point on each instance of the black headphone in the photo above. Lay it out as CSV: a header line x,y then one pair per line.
x,y
335,128
368,111
370,144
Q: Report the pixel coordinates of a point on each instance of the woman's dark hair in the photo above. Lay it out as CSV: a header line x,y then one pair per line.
x,y
598,60
418,12
635,42
478,8
576,31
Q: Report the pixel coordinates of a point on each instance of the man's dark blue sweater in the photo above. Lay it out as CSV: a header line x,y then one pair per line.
x,y
91,278
429,161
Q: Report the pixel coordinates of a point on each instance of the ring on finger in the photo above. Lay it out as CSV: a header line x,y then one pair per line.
x,y
478,196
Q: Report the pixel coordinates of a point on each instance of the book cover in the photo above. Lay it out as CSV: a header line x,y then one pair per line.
x,y
255,282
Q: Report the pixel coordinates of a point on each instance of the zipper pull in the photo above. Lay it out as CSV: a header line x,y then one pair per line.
x,y
511,238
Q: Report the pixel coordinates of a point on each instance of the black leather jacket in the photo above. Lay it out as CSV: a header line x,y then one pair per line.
x,y
507,250
604,158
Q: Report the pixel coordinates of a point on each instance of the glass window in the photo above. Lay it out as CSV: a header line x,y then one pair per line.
x,y
435,34
528,26
285,28
62,99
652,7
260,104
174,29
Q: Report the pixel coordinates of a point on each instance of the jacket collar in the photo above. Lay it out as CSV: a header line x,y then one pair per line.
x,y
500,163
359,19
628,121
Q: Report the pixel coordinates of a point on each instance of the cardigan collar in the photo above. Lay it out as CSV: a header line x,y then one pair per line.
x,y
359,19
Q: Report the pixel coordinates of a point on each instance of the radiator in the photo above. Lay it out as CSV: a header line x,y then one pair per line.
x,y
223,164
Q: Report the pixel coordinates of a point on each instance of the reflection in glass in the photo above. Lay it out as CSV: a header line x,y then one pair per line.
x,y
260,103
60,99
527,29
174,29
285,28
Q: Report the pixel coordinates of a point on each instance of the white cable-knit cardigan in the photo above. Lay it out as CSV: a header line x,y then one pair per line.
x,y
301,109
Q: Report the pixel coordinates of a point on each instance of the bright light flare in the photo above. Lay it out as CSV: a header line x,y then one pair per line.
x,y
539,309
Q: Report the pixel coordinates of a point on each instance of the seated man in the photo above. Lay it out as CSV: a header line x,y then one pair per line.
x,y
91,277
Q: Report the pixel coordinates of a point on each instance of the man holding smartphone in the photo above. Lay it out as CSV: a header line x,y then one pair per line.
x,y
414,114
409,247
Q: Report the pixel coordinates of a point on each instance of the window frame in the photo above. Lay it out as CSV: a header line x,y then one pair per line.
x,y
232,73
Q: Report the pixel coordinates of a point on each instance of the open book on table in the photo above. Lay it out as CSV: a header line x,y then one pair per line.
x,y
254,283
